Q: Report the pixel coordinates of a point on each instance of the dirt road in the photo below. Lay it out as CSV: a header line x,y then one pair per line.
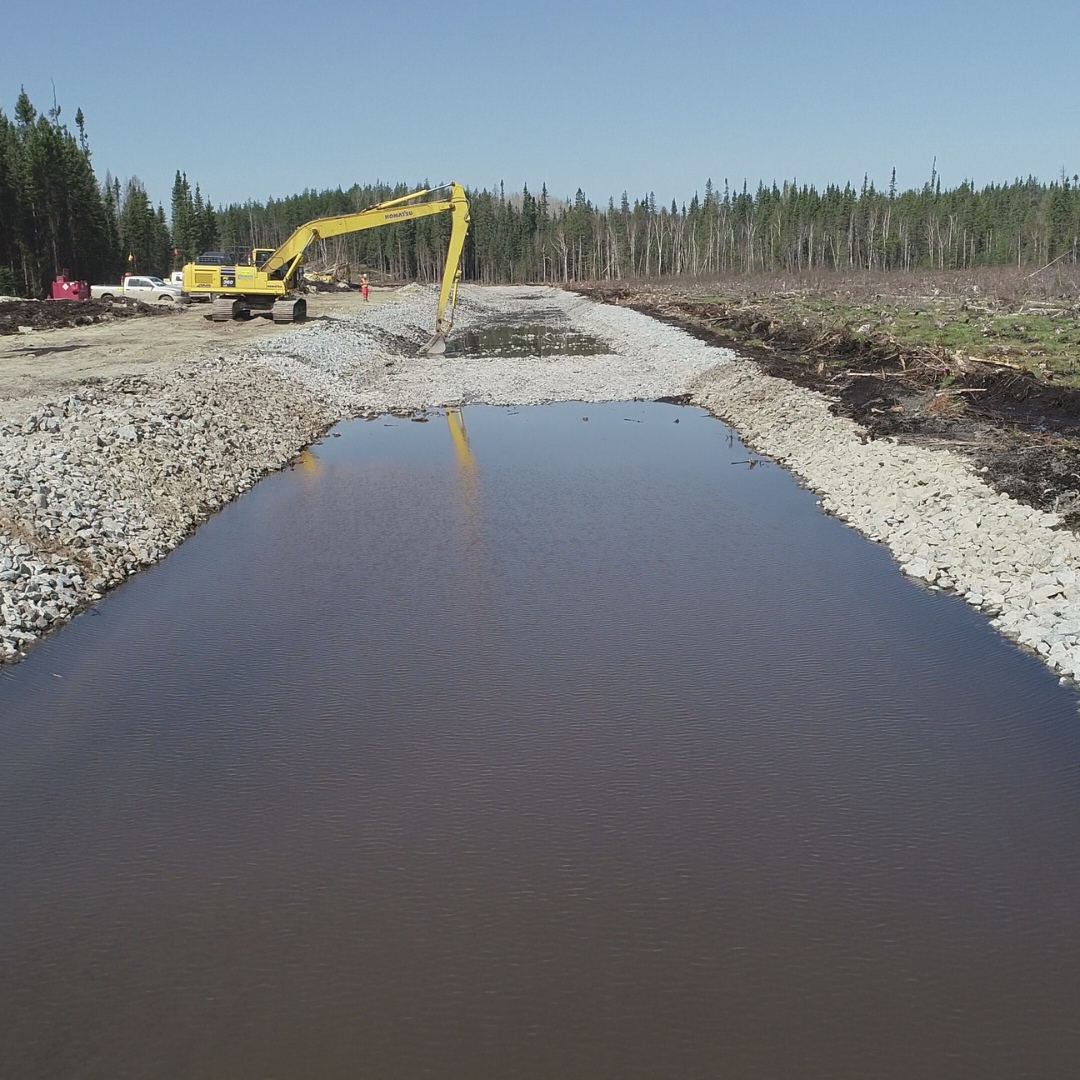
x,y
46,363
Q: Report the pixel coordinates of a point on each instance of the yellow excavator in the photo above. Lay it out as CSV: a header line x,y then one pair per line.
x,y
273,278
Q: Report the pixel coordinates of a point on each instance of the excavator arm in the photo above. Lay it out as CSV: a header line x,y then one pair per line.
x,y
284,263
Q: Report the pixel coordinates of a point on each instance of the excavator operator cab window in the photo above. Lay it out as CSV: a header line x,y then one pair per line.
x,y
216,258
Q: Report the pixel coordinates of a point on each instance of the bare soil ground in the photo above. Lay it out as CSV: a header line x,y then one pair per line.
x,y
984,363
19,316
75,343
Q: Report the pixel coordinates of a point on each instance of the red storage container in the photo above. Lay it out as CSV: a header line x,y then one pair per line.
x,y
62,289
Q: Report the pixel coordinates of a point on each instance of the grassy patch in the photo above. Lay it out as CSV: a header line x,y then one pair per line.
x,y
992,313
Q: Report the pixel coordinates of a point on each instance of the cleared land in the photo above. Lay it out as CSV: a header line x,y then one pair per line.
x,y
986,363
50,348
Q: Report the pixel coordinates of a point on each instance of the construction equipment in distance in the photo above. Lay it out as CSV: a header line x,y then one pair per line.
x,y
272,281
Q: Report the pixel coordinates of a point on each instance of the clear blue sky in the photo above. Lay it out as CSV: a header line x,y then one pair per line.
x,y
253,99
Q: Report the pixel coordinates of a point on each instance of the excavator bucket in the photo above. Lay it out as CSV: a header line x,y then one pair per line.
x,y
435,347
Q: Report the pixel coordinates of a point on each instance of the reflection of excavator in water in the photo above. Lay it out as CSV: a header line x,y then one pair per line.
x,y
467,475
272,281
460,438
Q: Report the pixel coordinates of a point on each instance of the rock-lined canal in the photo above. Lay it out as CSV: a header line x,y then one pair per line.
x,y
560,741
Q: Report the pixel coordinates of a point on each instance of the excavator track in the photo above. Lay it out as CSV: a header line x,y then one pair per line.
x,y
289,310
226,308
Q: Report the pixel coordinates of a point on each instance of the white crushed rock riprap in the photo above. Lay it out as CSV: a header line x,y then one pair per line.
x,y
108,480
943,524
363,362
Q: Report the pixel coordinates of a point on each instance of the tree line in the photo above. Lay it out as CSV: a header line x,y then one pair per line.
x,y
787,227
522,237
55,214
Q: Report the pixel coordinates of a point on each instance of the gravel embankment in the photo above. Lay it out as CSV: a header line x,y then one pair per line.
x,y
371,367
943,525
106,481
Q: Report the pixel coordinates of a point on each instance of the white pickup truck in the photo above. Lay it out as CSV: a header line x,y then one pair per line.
x,y
151,290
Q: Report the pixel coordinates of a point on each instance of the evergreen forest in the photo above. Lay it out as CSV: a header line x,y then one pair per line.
x,y
56,214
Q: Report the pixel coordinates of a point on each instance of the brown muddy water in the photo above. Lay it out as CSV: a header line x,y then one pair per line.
x,y
583,752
